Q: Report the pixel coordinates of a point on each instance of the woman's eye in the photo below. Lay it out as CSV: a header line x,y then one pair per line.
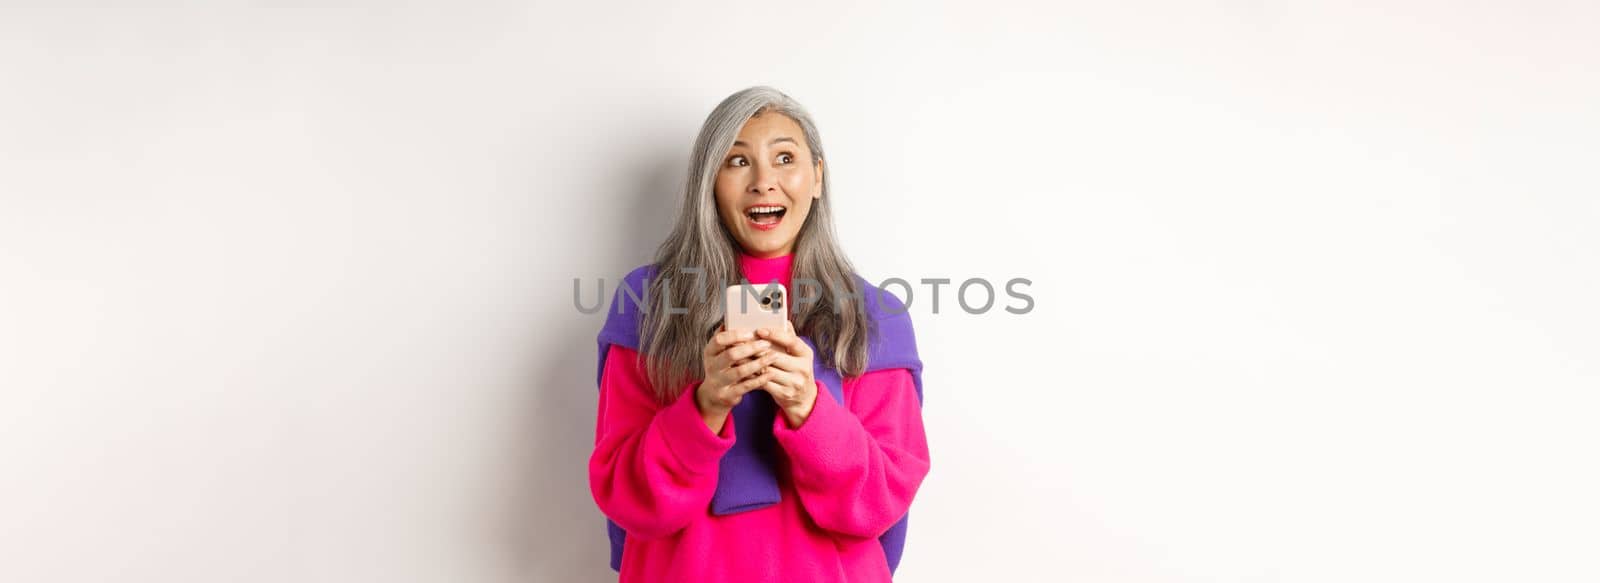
x,y
737,161
785,158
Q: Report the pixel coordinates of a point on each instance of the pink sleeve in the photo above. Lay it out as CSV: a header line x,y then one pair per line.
x,y
857,467
654,467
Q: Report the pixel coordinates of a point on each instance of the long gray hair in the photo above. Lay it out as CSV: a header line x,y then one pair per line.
x,y
674,341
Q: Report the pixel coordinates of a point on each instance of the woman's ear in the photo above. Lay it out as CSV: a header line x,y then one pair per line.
x,y
816,189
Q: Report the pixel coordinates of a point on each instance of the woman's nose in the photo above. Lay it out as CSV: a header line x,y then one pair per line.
x,y
765,180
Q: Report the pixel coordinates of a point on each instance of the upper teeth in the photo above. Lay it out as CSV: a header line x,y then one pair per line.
x,y
765,209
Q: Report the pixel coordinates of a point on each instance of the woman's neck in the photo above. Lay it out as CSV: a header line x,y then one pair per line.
x,y
765,270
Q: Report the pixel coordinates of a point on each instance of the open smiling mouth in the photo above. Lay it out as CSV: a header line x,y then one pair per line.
x,y
765,217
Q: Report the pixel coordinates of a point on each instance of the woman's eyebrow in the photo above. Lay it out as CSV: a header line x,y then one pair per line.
x,y
774,141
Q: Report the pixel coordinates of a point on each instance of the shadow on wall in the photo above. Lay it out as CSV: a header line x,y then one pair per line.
x,y
556,532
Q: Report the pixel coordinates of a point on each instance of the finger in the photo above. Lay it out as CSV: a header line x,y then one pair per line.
x,y
790,379
783,383
743,350
754,366
721,359
784,337
792,363
731,360
731,337
725,338
791,344
754,382
714,345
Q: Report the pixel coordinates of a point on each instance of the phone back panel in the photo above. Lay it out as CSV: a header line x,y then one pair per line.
x,y
752,314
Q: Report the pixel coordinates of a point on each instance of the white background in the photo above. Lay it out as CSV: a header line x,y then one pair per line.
x,y
286,288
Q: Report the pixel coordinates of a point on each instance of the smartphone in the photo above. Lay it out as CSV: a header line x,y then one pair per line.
x,y
755,307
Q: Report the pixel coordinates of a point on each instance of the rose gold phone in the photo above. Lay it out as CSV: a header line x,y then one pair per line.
x,y
761,307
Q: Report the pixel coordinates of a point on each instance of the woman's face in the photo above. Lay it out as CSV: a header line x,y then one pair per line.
x,y
765,185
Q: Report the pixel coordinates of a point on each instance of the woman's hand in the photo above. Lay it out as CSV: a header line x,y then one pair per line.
x,y
734,363
792,385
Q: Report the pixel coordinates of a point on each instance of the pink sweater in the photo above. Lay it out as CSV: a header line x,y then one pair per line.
x,y
848,473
